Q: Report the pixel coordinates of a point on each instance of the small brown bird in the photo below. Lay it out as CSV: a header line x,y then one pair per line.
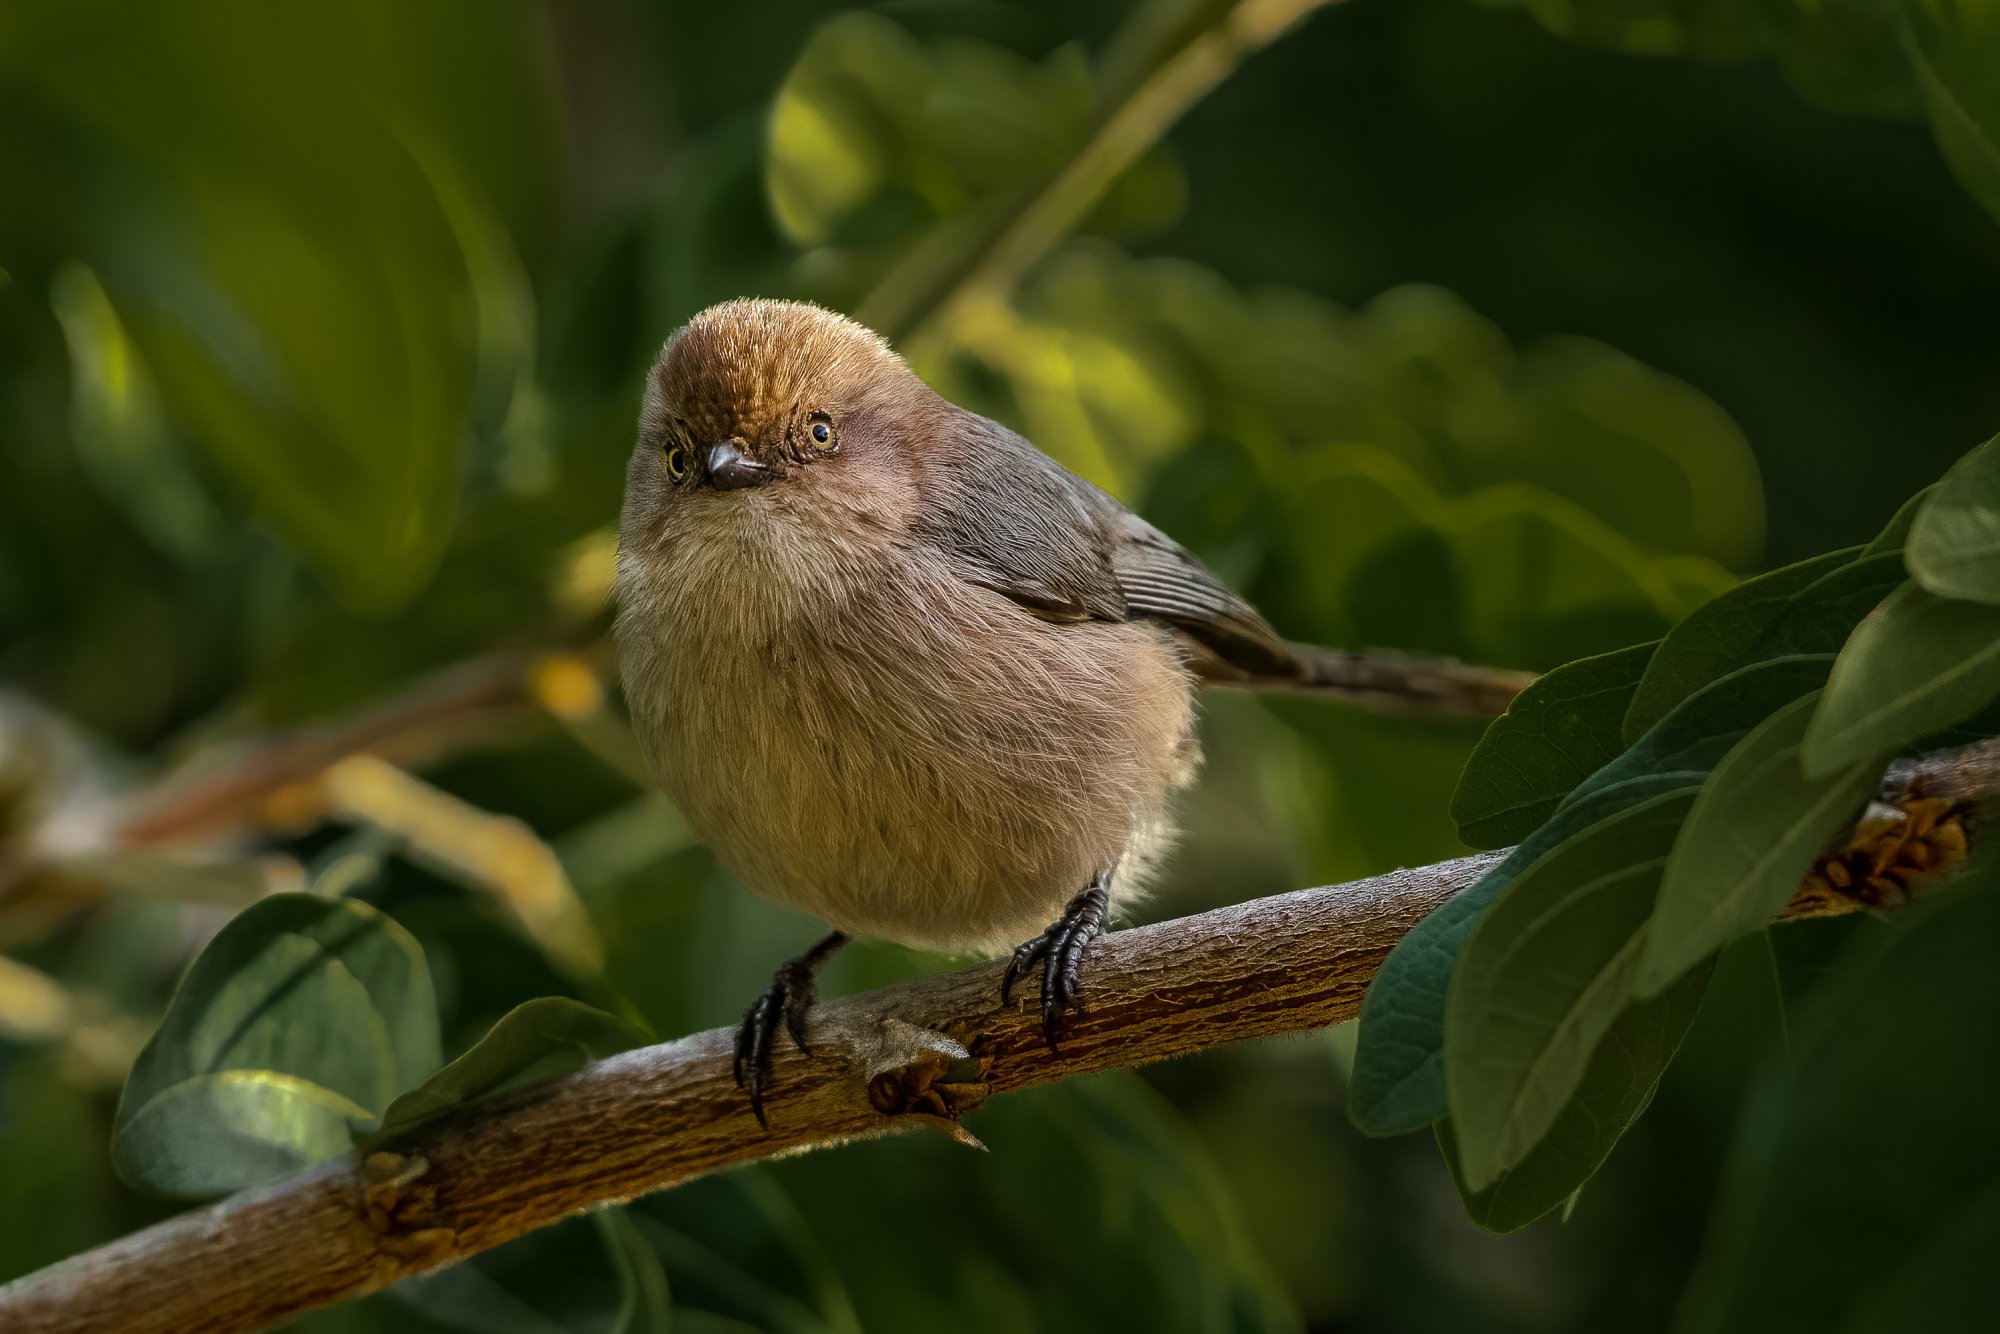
x,y
903,671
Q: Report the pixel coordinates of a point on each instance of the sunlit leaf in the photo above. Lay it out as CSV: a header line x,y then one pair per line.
x,y
120,429
1753,832
1542,977
215,1133
1915,667
301,1010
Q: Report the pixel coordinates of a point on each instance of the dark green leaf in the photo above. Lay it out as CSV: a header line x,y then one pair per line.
x,y
1895,534
1916,667
1754,831
1398,1082
312,1007
1879,1125
1615,1089
1557,732
549,1036
1717,636
590,1275
1954,548
1819,618
1541,979
1701,728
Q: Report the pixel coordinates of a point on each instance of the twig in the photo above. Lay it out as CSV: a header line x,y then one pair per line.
x,y
913,305
222,796
915,1054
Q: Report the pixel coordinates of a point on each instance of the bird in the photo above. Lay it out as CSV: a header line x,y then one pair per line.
x,y
901,670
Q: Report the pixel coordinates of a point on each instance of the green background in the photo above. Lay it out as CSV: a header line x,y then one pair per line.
x,y
1431,328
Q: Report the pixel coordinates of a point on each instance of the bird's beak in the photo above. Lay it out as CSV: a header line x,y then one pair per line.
x,y
729,469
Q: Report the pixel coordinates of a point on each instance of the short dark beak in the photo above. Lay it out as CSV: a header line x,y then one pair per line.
x,y
730,470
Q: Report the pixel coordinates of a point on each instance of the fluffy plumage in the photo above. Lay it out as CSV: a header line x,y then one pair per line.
x,y
828,681
918,679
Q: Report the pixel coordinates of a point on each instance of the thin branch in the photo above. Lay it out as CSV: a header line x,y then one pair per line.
x,y
920,1053
215,797
915,304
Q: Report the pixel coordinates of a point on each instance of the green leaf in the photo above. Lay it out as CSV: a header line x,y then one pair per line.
x,y
1544,580
1398,1083
216,1133
1819,618
537,1040
1755,829
593,1274
1955,47
1615,1090
1556,733
1954,548
330,326
312,1006
1701,728
1916,667
1717,637
1541,979
1879,1125
1895,534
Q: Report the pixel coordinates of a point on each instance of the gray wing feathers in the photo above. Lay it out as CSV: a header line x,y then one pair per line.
x,y
1022,525
1160,579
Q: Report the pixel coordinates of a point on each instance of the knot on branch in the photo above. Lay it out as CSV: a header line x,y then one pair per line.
x,y
1892,850
914,1071
400,1208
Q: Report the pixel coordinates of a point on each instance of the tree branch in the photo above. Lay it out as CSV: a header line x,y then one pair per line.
x,y
916,1054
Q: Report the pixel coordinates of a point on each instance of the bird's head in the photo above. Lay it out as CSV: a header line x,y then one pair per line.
x,y
755,399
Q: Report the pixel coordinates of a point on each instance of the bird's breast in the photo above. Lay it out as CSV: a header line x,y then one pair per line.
x,y
858,731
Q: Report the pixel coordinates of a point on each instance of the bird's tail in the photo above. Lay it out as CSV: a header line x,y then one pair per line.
x,y
1390,682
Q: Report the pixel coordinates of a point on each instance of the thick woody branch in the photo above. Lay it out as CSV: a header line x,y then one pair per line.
x,y
915,1054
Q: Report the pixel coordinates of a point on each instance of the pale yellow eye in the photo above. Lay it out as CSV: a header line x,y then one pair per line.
x,y
821,434
677,463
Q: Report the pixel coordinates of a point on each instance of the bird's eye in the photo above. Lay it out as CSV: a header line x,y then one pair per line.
x,y
822,434
677,463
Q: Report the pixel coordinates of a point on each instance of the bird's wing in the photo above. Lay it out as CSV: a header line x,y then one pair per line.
x,y
1162,580
1012,520
1019,523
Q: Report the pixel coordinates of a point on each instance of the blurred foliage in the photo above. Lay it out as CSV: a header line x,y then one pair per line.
x,y
1439,327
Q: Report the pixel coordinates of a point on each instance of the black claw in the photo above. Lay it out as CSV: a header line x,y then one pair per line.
x,y
1060,951
1024,958
787,1000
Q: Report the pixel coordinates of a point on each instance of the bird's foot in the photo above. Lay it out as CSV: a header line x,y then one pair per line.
x,y
787,1000
1060,950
